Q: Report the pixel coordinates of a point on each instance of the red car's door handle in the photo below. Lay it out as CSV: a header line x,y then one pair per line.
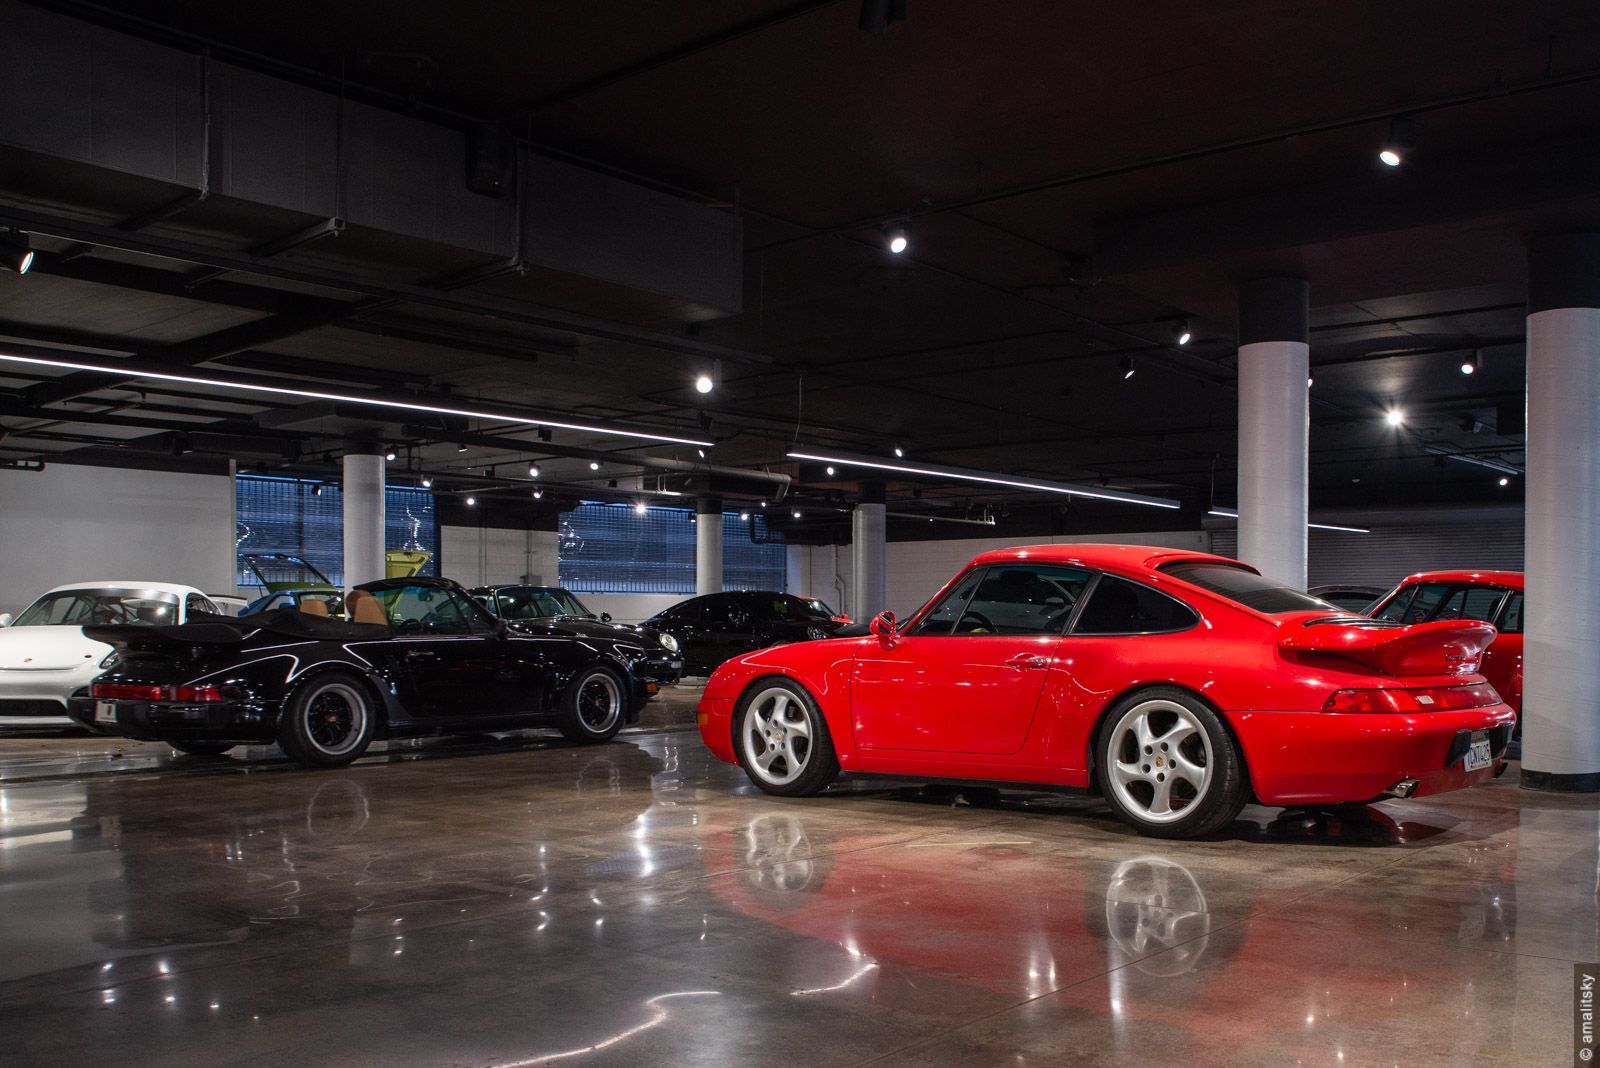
x,y
1029,662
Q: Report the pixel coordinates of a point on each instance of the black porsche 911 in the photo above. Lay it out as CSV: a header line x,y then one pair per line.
x,y
419,656
719,626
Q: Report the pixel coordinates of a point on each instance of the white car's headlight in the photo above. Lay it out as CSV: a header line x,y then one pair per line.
x,y
668,642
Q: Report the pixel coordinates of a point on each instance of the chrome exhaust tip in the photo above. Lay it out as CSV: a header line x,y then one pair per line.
x,y
1403,788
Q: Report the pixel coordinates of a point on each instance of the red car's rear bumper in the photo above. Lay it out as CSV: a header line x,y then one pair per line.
x,y
1299,758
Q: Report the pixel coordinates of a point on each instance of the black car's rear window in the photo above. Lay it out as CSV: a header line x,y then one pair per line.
x,y
1247,587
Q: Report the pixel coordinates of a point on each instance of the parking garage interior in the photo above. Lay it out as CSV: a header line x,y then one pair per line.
x,y
822,299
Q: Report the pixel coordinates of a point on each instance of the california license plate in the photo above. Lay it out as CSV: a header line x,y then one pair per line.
x,y
1478,755
105,712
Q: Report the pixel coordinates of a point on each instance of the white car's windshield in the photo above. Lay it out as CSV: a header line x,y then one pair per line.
x,y
79,608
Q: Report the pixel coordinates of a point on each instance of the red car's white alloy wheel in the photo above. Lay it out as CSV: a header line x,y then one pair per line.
x,y
776,736
1161,761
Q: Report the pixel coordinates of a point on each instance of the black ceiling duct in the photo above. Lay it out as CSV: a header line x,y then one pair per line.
x,y
877,14
491,159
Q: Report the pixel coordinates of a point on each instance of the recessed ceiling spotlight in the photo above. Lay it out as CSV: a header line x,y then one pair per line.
x,y
703,383
594,465
897,237
797,513
1182,333
1402,136
898,451
1394,417
472,502
1504,481
830,469
763,504
1125,363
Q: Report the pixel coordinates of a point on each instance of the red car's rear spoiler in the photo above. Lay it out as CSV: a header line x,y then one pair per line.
x,y
1447,647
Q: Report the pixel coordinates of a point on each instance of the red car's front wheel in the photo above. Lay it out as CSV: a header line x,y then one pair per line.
x,y
1168,765
782,740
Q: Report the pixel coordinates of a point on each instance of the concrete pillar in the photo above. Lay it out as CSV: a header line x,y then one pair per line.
x,y
364,480
708,546
1274,426
1561,643
796,571
868,536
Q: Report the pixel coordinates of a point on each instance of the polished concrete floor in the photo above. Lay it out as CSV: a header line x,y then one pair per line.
x,y
519,901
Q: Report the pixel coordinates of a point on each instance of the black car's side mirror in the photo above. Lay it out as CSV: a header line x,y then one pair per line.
x,y
883,625
605,617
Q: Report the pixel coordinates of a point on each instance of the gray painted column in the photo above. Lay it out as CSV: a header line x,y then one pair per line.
x,y
363,515
1274,426
1561,644
868,537
708,545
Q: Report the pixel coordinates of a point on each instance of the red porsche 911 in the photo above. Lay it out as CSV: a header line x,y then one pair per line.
x,y
1179,685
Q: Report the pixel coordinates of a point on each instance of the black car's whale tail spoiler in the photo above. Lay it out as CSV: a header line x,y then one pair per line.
x,y
207,629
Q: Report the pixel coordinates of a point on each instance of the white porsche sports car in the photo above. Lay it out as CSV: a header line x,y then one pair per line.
x,y
45,661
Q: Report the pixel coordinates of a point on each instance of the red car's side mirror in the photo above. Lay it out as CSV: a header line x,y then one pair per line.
x,y
883,625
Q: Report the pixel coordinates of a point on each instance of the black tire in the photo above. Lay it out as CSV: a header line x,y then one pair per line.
x,y
778,721
205,749
328,721
1148,775
593,706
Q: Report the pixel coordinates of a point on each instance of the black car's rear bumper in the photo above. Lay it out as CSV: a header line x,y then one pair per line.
x,y
235,721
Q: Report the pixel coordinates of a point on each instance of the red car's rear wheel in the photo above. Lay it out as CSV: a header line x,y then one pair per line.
x,y
1168,765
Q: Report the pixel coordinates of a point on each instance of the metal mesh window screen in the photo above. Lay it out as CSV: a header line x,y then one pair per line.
x,y
613,548
278,515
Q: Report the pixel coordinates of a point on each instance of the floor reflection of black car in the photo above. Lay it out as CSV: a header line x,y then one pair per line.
x,y
720,626
419,656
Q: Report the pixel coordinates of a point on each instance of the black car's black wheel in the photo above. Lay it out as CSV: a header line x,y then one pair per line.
x,y
782,740
592,706
328,721
201,748
1168,765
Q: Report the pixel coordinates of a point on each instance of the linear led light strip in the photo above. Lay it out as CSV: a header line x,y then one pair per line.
x,y
1229,513
349,398
965,475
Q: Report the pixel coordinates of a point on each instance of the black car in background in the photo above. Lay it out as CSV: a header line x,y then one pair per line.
x,y
419,656
720,626
1356,598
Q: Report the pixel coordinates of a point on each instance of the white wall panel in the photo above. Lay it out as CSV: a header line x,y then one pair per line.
x,y
488,556
71,524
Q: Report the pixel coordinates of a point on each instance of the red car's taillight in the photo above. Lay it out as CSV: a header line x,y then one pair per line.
x,y
1429,699
183,695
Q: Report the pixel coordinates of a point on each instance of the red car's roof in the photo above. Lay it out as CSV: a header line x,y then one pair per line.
x,y
1095,554
1512,579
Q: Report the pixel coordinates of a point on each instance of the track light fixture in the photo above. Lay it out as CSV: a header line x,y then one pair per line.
x,y
707,378
1394,417
16,252
640,508
1472,364
427,483
594,465
1125,363
391,456
1402,136
1182,332
472,502
1504,481
538,494
533,470
316,491
897,237
744,516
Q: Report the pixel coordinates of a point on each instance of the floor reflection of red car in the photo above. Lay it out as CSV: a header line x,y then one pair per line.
x,y
1491,596
1177,684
